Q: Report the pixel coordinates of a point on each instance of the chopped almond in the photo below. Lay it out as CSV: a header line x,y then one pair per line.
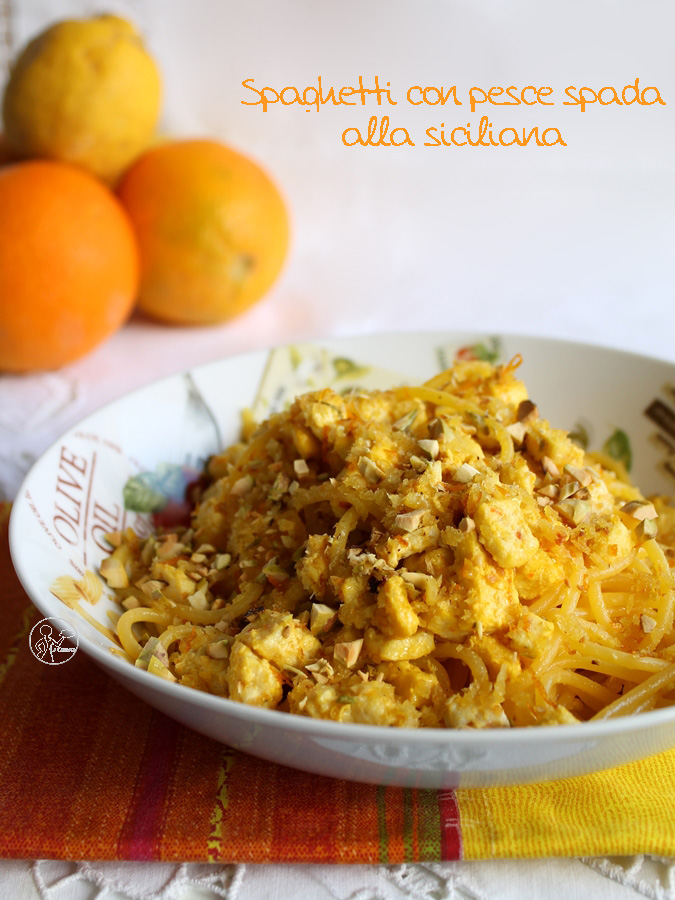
x,y
114,573
348,651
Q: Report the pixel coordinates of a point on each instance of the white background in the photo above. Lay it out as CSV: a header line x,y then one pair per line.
x,y
537,238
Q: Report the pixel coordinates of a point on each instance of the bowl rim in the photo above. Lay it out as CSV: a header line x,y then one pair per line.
x,y
583,732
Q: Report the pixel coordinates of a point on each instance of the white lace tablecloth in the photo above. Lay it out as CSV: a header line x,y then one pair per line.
x,y
575,242
513,880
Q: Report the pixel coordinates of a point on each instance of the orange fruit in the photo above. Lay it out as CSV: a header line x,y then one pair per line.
x,y
68,265
212,230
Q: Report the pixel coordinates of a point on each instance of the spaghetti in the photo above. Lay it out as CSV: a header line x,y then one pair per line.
x,y
436,556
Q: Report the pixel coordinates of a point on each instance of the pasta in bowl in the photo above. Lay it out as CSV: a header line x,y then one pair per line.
x,y
447,562
432,556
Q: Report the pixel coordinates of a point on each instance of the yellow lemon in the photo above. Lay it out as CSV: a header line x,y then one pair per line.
x,y
85,92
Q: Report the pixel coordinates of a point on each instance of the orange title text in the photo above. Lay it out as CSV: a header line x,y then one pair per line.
x,y
383,127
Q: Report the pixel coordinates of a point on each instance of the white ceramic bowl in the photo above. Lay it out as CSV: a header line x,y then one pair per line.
x,y
74,494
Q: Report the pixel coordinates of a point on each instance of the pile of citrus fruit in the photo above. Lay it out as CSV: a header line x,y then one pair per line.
x,y
98,216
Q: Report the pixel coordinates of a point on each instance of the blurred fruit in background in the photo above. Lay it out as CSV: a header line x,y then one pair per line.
x,y
203,227
68,265
212,228
85,92
6,155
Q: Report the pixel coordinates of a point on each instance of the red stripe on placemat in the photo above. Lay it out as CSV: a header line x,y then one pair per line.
x,y
451,831
141,834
